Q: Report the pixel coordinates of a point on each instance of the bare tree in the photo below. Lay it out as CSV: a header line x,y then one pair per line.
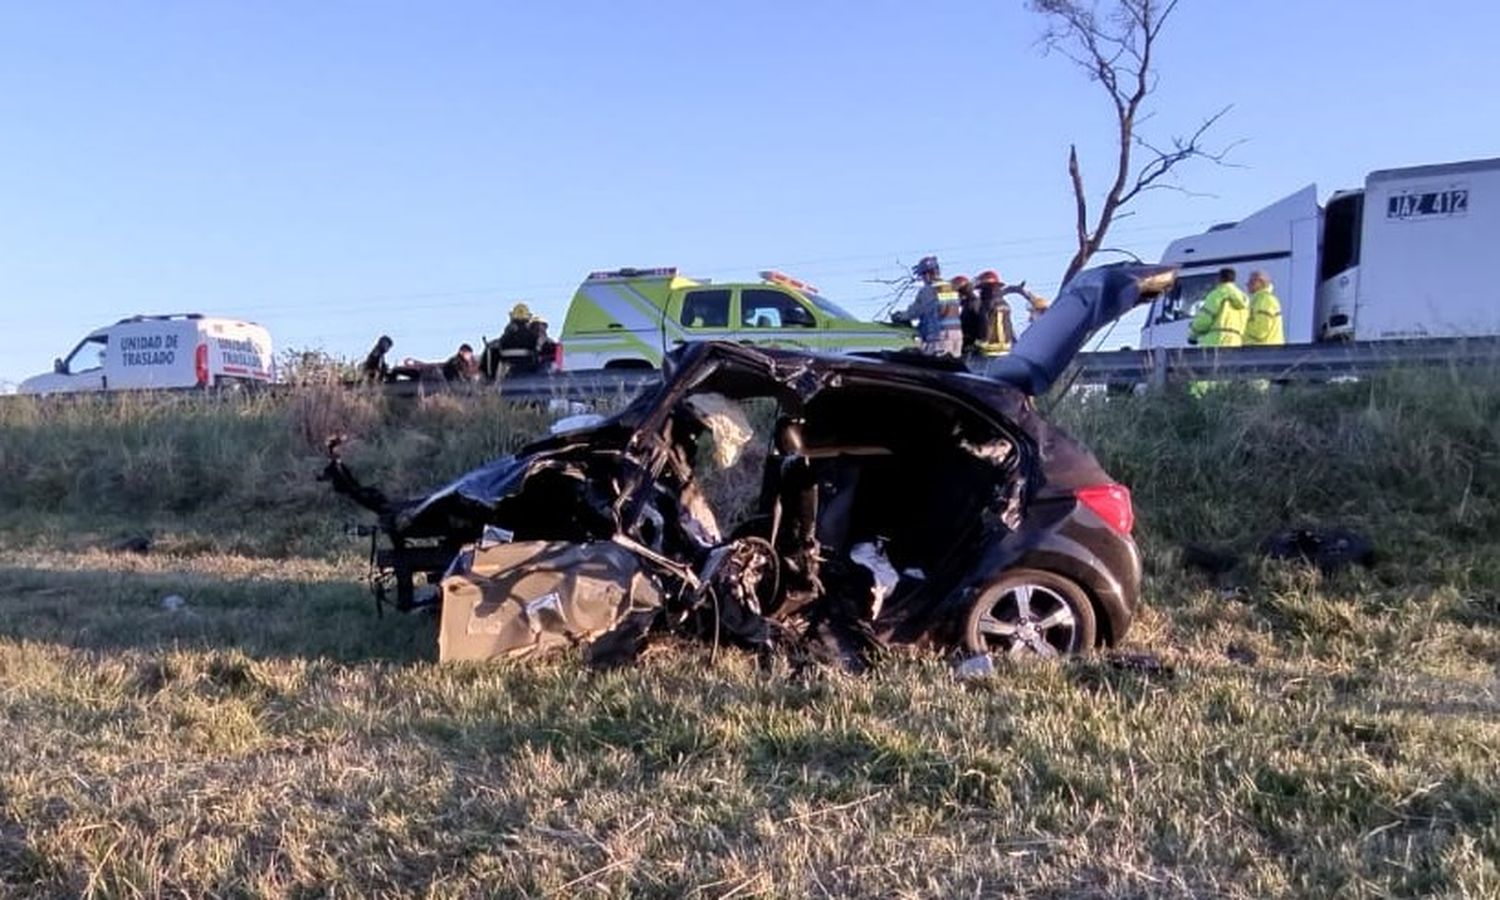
x,y
1115,46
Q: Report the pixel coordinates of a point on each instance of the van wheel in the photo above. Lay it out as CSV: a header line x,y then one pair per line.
x,y
1030,612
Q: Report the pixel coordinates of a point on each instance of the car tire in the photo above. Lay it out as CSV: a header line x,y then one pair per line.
x,y
1030,612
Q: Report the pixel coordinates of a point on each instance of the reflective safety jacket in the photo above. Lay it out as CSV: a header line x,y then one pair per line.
x,y
1221,320
1264,328
999,333
938,311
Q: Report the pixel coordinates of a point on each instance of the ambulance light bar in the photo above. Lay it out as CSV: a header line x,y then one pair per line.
x,y
771,276
660,272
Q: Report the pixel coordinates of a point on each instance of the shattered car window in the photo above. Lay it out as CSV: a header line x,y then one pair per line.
x,y
733,491
726,422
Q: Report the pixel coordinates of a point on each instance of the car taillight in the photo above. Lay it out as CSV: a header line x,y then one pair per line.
x,y
200,364
1110,502
557,356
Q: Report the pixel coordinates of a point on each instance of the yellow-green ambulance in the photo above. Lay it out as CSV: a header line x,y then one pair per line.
x,y
629,318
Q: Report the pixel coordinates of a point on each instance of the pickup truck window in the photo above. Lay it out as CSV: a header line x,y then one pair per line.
x,y
760,308
706,309
87,356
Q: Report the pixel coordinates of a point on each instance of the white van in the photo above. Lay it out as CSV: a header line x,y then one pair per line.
x,y
175,351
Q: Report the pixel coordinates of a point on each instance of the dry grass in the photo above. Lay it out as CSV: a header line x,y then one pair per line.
x,y
275,738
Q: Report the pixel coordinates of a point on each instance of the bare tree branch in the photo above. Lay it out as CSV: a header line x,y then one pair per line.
x,y
1079,196
899,288
1117,50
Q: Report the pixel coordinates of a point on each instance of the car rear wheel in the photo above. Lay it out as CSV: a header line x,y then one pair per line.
x,y
1029,612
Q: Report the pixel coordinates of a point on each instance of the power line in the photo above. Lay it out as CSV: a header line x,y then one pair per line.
x,y
407,301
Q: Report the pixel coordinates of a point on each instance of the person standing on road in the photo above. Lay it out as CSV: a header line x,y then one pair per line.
x,y
518,333
998,333
374,369
517,347
1221,320
938,312
1264,327
970,319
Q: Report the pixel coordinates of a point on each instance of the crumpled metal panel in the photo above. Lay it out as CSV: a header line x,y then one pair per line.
x,y
521,599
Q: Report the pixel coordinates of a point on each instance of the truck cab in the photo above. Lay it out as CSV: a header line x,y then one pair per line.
x,y
630,318
1280,240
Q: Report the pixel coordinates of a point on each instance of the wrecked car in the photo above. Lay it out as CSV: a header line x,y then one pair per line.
x,y
777,499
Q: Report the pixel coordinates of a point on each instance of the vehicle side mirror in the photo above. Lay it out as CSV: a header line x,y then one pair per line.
x,y
58,367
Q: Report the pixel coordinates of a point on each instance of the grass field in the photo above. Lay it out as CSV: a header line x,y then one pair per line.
x,y
273,737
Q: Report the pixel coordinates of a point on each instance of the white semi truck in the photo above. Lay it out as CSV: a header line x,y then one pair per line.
x,y
1406,256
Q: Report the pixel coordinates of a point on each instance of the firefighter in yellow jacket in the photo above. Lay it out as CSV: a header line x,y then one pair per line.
x,y
1264,328
1221,320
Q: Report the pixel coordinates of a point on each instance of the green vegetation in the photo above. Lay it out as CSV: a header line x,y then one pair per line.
x,y
273,737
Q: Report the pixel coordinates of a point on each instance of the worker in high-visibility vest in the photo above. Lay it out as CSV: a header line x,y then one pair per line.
x,y
1221,319
937,310
999,333
1264,328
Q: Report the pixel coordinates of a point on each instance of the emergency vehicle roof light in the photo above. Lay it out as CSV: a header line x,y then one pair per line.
x,y
629,272
771,276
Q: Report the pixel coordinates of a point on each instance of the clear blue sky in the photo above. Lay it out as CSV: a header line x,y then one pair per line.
x,y
336,170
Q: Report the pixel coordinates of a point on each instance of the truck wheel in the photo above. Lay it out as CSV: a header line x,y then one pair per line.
x,y
1030,612
629,364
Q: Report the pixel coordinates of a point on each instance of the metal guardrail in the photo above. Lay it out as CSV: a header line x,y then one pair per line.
x,y
577,385
1291,362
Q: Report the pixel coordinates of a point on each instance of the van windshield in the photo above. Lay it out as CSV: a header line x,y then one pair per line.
x,y
827,306
88,356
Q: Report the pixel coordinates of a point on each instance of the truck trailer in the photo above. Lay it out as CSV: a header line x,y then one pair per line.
x,y
1403,257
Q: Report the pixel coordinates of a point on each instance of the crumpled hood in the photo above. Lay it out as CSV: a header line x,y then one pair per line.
x,y
485,485
1091,300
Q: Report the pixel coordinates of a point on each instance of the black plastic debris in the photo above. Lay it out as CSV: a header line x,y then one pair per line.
x,y
135,543
1330,549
